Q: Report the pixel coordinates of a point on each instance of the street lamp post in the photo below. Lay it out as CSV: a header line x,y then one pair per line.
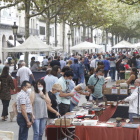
x,y
68,34
15,28
95,38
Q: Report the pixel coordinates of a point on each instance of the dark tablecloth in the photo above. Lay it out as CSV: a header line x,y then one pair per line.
x,y
121,111
37,75
114,97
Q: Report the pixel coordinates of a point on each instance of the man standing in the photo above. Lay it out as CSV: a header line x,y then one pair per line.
x,y
62,63
32,61
86,63
24,73
107,66
97,80
36,66
112,62
65,95
95,61
55,62
72,58
81,70
45,61
75,68
9,60
133,101
1,67
24,109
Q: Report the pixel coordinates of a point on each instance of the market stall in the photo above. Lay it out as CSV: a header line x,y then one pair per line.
x,y
123,45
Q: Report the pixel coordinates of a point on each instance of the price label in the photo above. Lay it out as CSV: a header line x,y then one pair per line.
x,y
123,91
114,91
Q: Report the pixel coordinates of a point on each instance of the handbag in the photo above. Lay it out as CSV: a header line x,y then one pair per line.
x,y
76,98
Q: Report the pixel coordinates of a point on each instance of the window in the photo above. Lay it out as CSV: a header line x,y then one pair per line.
x,y
42,30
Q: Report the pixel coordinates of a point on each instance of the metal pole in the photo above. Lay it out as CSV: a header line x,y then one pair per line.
x,y
55,31
15,40
69,44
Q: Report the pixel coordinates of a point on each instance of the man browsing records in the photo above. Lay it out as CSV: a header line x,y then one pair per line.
x,y
64,96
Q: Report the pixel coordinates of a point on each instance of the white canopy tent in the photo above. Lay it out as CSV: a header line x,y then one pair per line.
x,y
33,43
85,45
123,45
137,45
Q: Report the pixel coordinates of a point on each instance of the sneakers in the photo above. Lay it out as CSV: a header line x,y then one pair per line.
x,y
12,115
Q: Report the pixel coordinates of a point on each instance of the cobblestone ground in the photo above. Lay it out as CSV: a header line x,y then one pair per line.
x,y
12,126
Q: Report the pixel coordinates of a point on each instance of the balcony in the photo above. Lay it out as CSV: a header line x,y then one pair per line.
x,y
21,30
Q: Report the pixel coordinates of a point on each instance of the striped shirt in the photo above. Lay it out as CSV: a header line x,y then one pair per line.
x,y
23,99
98,89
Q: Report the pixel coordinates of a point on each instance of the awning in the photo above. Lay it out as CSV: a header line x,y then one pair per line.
x,y
12,42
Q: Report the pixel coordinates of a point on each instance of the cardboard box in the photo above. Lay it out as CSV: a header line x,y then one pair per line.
x,y
120,81
123,91
107,91
115,90
68,122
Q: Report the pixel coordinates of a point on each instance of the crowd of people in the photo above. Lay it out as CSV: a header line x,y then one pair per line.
x,y
60,90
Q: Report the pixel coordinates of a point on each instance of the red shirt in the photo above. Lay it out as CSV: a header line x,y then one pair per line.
x,y
126,66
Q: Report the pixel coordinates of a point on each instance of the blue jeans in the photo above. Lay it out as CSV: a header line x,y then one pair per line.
x,y
113,70
131,116
72,106
23,129
86,66
38,128
81,79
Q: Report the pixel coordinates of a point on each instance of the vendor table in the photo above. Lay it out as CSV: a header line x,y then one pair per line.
x,y
53,131
105,133
111,97
37,75
107,114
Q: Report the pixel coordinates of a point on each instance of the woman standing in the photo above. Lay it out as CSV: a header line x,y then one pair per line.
x,y
39,100
69,63
133,76
5,95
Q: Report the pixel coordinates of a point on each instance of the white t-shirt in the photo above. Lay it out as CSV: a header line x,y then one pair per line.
x,y
45,61
24,74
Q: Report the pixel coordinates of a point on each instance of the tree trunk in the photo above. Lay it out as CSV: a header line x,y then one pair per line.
x,y
63,36
106,37
48,31
84,33
91,34
72,34
27,20
115,39
112,40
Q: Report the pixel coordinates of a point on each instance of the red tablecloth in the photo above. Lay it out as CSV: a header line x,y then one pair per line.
x,y
105,133
107,114
16,88
51,130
